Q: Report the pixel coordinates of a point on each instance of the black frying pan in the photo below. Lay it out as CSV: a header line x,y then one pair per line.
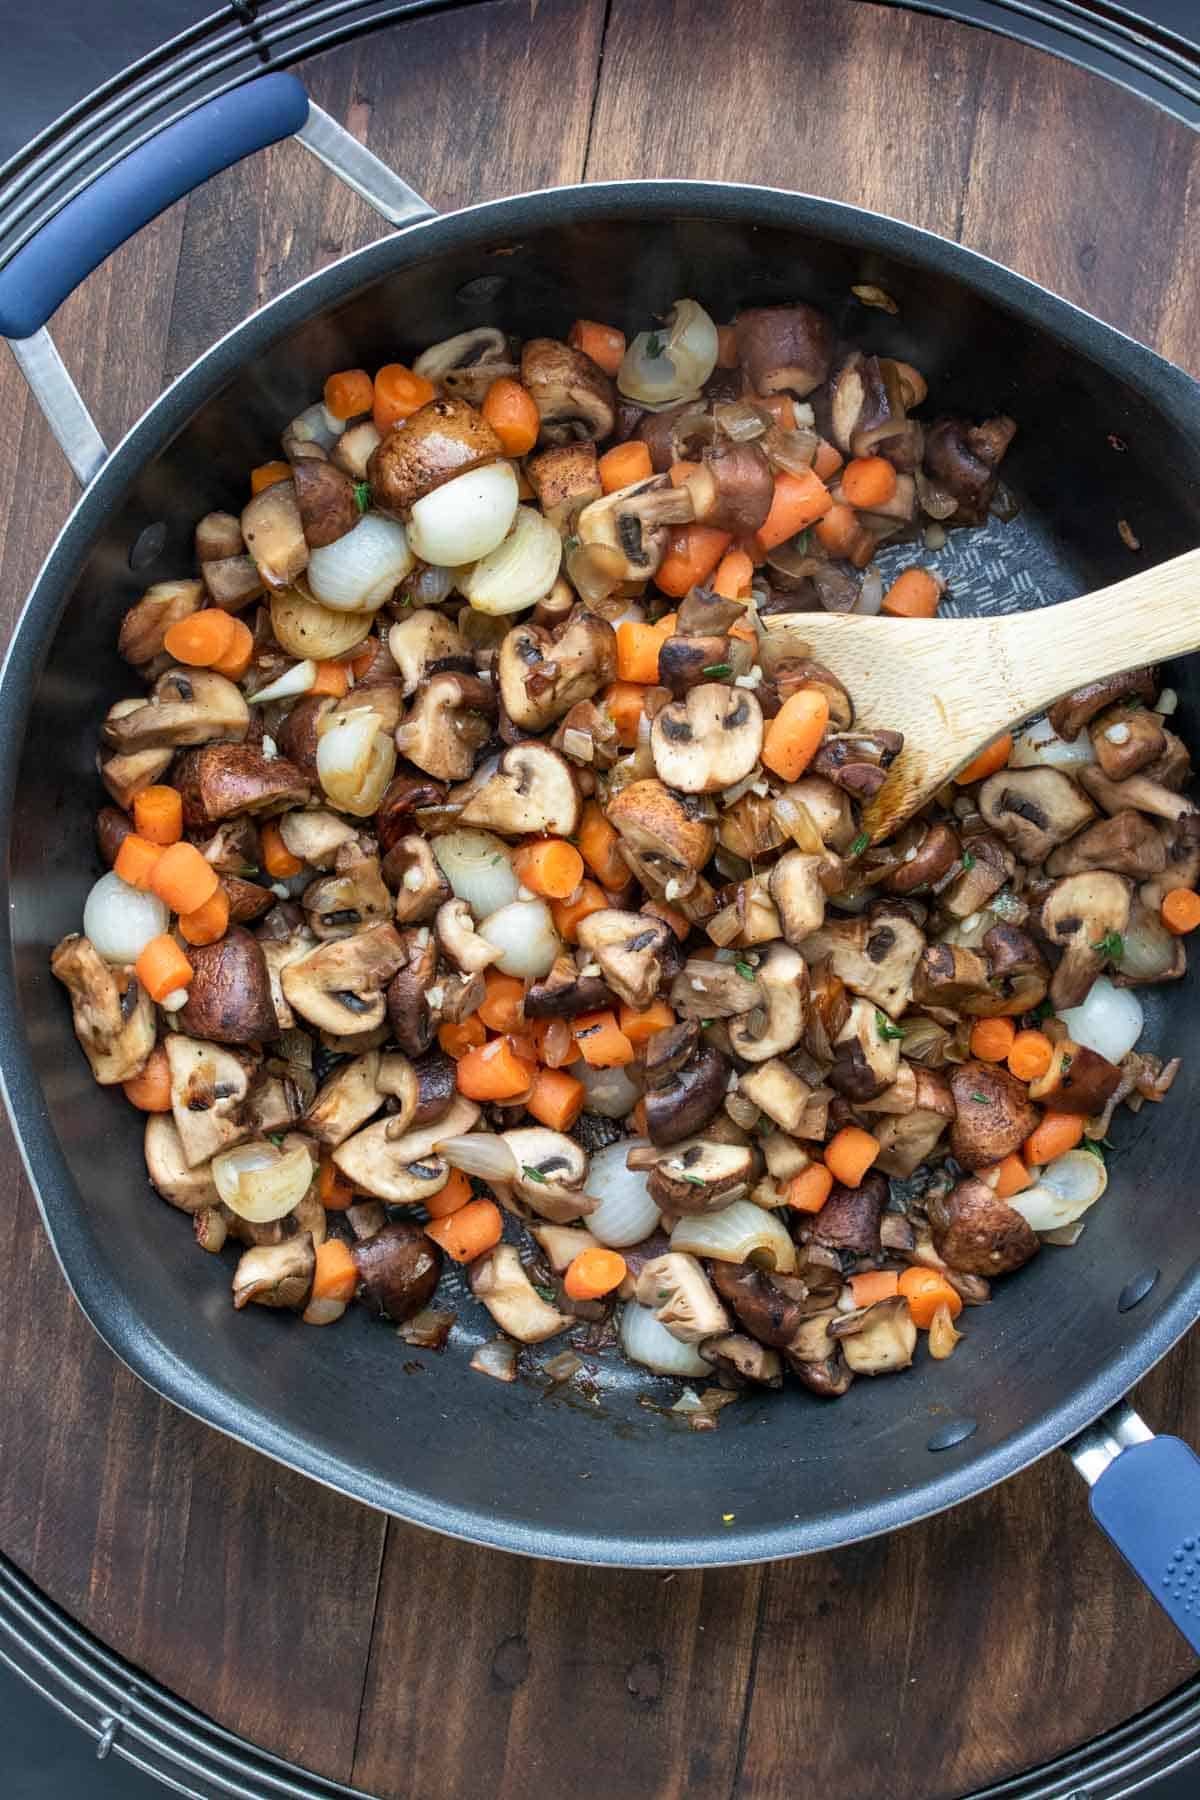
x,y
1107,431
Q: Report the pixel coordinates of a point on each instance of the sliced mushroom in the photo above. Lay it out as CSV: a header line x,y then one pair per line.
x,y
186,706
274,535
670,833
780,1093
1181,849
232,582
411,991
849,1221
315,836
339,986
743,1359
402,1168
1069,715
575,398
551,1171
483,346
189,1189
708,741
829,808
229,996
340,904
1086,915
1126,844
1034,810
976,1232
347,1100
796,888
732,489
875,955
905,1140
866,404
879,1339
993,1114
218,534
543,674
930,850
686,1084
459,939
564,479
113,1014
279,1275
963,459
784,348
422,641
623,536
128,775
775,1025
411,868
222,781
1126,738
149,619
1173,767
681,1297
442,439
949,975
697,1175
858,761
866,1053
1147,795
450,721
564,993
635,952
771,1307
209,1089
532,790
987,865
399,1267
1018,974
499,1280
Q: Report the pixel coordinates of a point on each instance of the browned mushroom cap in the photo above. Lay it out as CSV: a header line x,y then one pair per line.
x,y
229,997
906,1139
405,795
186,706
1079,1080
858,760
352,897
542,675
113,1015
337,986
671,833
1181,847
849,1219
532,790
113,826
771,1307
325,500
964,459
440,440
701,1175
684,662
1173,767
875,955
928,851
146,623
797,890
733,488
449,722
993,1114
1034,809
978,1233
226,779
275,536
676,434
830,1378
1069,715
866,1053
1126,739
399,1268
865,404
987,865
564,993
1128,844
1086,916
708,741
408,994
784,348
686,1081
574,397
1018,974
634,951
949,975
564,479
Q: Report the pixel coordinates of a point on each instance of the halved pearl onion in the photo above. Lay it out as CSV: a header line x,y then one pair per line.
x,y
478,866
525,936
1109,1021
647,1342
465,518
119,920
1064,1191
625,1213
356,759
296,680
261,1183
519,571
479,1153
739,1233
361,570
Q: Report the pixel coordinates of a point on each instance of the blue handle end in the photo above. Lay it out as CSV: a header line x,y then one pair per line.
x,y
77,239
1148,1502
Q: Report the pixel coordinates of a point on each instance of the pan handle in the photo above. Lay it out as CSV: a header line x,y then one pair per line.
x,y
135,189
1145,1496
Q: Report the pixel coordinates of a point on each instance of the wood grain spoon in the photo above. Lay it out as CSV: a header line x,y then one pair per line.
x,y
953,685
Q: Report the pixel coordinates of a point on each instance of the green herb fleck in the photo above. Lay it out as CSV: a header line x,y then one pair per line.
x,y
654,344
664,1294
569,545
248,871
802,540
1067,1060
718,671
1133,703
745,971
1043,1010
968,861
533,1174
548,1294
1093,1146
886,1029
362,495
1111,946
696,1180
705,1023
860,843
980,1099
276,1138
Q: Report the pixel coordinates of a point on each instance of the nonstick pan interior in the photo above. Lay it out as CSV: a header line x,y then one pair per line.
x,y
1106,433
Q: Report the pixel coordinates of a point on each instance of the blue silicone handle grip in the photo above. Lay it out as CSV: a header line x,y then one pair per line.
x,y
169,165
1148,1501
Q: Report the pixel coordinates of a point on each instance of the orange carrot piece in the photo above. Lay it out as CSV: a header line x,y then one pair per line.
x,y
162,967
568,915
456,1040
1057,1133
827,460
398,392
868,482
182,878
555,1045
839,531
362,659
512,413
503,1007
624,464
693,552
926,1290
599,846
267,474
492,1072
333,1190
277,859
603,1043
208,923
603,343
1011,1176
550,867
849,1154
727,350
158,815
798,501
349,393
987,762
625,702
202,639
639,1026
915,594
808,1191
1030,1055
594,1273
793,736
335,1276
556,1099
637,652
1181,910
238,657
331,679
452,1198
137,860
679,472
734,574
992,1039
873,1285
150,1089
469,1232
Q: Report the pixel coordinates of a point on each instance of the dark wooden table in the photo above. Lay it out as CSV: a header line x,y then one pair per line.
x,y
975,1645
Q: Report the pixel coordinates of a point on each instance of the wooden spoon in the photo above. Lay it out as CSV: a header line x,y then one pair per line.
x,y
953,685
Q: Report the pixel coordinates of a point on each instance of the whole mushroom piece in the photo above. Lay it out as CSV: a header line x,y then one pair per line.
x,y
977,1233
574,397
399,1269
993,1114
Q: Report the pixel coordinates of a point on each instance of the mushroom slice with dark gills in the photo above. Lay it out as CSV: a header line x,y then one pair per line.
x,y
771,1307
876,955
186,706
448,724
532,790
402,1167
866,1053
708,741
564,993
993,1114
551,1172
1086,916
543,674
699,1176
858,761
339,986
574,397
114,1021
738,1359
775,1024
672,834
686,1083
422,641
342,903
635,952
1034,810
209,1089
